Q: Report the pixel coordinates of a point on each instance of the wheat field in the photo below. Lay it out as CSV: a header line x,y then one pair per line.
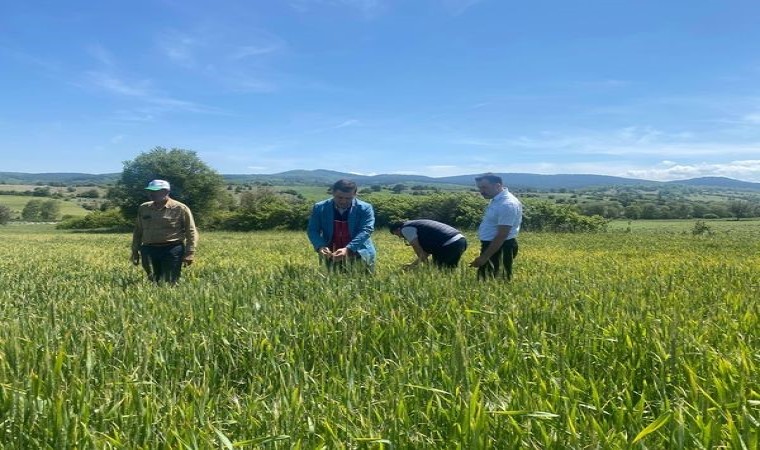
x,y
615,340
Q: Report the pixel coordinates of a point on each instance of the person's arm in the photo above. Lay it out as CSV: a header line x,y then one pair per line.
x,y
191,236
314,231
366,218
422,255
493,247
137,240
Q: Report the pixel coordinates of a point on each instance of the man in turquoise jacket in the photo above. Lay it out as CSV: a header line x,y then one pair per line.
x,y
340,227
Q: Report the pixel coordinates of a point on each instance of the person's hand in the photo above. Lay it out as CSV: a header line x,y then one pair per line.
x,y
324,251
135,258
477,262
340,254
188,259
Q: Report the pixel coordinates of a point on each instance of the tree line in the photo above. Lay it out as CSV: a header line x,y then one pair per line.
x,y
202,189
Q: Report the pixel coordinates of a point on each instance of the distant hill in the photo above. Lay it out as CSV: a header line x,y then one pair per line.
x,y
53,178
721,182
327,177
515,180
567,181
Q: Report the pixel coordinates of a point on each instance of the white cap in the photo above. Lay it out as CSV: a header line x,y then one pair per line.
x,y
157,185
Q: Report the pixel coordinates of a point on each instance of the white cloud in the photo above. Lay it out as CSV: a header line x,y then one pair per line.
x,y
229,58
247,83
247,51
118,86
180,47
154,103
457,7
748,170
347,123
102,55
324,125
368,8
627,142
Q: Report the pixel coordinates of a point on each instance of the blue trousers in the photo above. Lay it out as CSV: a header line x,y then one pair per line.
x,y
163,263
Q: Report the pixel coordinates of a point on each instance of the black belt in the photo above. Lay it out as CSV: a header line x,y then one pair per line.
x,y
164,244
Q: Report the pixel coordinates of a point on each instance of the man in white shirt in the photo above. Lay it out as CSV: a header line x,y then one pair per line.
x,y
499,228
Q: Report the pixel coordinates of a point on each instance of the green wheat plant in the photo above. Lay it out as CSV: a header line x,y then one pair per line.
x,y
639,340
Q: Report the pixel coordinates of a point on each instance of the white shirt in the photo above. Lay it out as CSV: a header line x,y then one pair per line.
x,y
504,209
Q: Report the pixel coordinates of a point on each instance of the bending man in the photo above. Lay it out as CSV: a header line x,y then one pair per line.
x,y
428,237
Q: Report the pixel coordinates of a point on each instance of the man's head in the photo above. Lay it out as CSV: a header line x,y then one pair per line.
x,y
395,228
489,185
343,192
158,190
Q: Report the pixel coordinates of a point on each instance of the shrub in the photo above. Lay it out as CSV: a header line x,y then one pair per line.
x,y
111,219
5,214
700,228
546,216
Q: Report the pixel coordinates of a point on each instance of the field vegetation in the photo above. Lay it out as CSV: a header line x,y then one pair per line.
x,y
627,339
16,204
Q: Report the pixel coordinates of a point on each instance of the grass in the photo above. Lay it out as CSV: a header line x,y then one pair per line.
x,y
686,225
615,340
17,202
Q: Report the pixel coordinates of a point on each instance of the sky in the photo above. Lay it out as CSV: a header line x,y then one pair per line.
x,y
659,90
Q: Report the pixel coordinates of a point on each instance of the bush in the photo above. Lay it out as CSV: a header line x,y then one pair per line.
x,y
111,219
41,210
263,209
546,216
5,214
700,228
90,193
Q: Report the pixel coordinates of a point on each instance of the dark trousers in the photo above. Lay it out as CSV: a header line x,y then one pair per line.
x,y
506,254
163,263
449,256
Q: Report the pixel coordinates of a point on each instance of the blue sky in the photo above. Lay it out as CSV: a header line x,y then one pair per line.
x,y
658,90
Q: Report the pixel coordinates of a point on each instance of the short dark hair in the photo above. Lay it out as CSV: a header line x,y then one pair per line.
x,y
490,177
344,186
393,226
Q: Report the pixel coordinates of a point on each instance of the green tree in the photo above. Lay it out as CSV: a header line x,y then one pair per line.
x,y
31,211
193,182
50,211
5,214
397,189
42,192
90,193
541,215
264,209
108,219
41,210
740,209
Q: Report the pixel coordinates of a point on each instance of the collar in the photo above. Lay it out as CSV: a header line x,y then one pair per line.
x,y
335,205
169,203
500,195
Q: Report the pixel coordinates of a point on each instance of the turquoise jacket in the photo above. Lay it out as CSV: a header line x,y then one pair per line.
x,y
361,224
